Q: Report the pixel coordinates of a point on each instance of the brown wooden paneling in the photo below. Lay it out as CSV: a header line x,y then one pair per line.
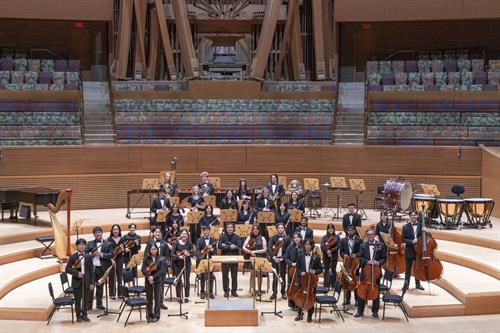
x,y
490,183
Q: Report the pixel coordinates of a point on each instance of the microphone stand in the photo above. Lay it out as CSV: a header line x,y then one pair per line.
x,y
176,281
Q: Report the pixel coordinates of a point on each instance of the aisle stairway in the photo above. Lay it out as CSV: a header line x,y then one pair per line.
x,y
98,119
350,118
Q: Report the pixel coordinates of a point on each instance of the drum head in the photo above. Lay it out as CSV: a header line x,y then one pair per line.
x,y
406,194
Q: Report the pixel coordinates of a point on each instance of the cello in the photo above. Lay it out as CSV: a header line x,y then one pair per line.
x,y
426,267
305,297
368,287
350,280
292,288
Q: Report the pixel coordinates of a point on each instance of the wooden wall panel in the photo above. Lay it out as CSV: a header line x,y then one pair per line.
x,y
490,182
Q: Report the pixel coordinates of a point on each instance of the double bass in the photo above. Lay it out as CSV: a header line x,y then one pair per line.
x,y
368,287
350,280
396,261
426,267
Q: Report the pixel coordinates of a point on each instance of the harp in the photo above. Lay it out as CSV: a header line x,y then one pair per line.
x,y
61,236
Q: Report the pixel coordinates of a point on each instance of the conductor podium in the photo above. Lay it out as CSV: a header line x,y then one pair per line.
x,y
237,312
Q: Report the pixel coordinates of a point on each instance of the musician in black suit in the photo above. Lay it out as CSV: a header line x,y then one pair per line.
x,y
163,253
115,276
411,231
101,252
205,241
132,242
230,245
229,201
159,203
304,230
291,254
330,255
276,257
264,202
384,225
181,255
246,215
349,246
205,186
370,252
351,218
82,280
154,281
276,189
307,262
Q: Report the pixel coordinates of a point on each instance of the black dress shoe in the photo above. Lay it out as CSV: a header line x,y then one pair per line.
x,y
226,294
163,306
309,319
79,320
346,303
100,307
154,319
212,296
283,296
273,296
300,316
357,314
375,315
419,287
234,294
85,318
202,295
113,297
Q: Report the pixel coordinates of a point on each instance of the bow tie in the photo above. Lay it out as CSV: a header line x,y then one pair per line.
x,y
372,244
308,255
80,255
414,223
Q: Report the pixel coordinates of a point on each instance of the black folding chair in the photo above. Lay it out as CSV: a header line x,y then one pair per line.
x,y
66,287
135,303
330,301
386,284
397,301
128,277
60,302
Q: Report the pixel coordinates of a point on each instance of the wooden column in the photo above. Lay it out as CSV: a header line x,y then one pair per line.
x,y
119,68
188,55
140,52
292,11
319,50
153,44
167,47
265,39
328,37
296,52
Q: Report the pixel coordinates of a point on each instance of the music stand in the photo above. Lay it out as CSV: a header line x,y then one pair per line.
x,y
104,280
271,231
240,203
312,185
210,200
260,265
193,218
295,217
178,279
215,232
388,241
76,226
174,201
339,185
242,230
266,217
206,267
215,182
161,216
228,215
359,186
362,231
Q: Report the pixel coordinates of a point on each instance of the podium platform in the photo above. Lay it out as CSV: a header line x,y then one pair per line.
x,y
231,313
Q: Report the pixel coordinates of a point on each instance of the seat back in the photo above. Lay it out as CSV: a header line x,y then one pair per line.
x,y
64,280
337,288
388,277
128,276
51,292
124,292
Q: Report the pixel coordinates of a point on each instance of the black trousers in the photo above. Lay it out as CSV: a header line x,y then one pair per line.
x,y
203,280
330,266
226,268
178,265
154,297
409,265
98,273
116,278
309,312
281,270
81,294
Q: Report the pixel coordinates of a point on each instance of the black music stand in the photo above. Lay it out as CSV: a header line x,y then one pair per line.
x,y
313,209
275,312
177,280
104,280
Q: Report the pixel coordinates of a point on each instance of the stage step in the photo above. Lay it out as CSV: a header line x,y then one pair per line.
x,y
98,118
350,114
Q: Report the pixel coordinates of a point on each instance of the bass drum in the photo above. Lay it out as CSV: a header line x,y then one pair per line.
x,y
397,194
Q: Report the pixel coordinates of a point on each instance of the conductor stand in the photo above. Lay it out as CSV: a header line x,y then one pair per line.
x,y
179,279
104,280
359,186
339,185
312,186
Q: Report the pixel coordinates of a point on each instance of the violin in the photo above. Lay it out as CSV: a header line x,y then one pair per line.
x,y
277,246
350,280
183,252
305,297
152,267
129,244
251,244
172,240
206,250
368,288
426,267
78,264
118,250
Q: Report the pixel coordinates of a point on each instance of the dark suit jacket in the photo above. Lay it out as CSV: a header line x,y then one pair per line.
x,y
356,221
364,256
273,240
225,242
260,204
156,204
291,254
344,247
76,282
200,245
309,232
408,237
224,204
279,188
315,264
106,250
163,250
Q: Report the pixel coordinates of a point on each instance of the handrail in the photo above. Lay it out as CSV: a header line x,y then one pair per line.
x,y
398,52
45,50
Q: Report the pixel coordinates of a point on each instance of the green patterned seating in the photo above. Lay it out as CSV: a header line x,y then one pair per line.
x,y
58,78
31,77
424,66
467,78
72,77
47,65
4,77
21,64
374,78
414,78
371,67
34,65
437,65
384,67
463,65
401,78
440,78
494,65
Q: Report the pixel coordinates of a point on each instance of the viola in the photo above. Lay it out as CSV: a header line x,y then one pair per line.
x,y
368,287
426,267
350,280
277,246
152,267
183,252
78,264
251,244
129,244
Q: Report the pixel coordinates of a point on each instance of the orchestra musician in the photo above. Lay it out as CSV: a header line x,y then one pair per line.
x,y
230,245
295,202
384,225
154,280
276,189
169,184
115,276
81,269
243,192
276,251
307,262
411,231
264,202
181,259
349,246
195,200
330,254
229,202
370,252
209,220
206,241
282,215
255,245
135,240
304,230
351,219
159,203
163,253
174,216
246,215
101,252
205,186
173,233
291,254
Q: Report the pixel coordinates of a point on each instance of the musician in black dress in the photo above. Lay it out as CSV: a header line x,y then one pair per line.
x,y
384,225
229,201
283,217
230,245
291,254
349,246
207,244
351,219
132,242
276,252
205,186
264,202
255,245
208,220
307,262
115,276
411,231
153,269
330,254
195,200
304,230
81,269
174,216
246,215
181,259
159,203
370,252
163,253
101,252
243,193
295,202
276,189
